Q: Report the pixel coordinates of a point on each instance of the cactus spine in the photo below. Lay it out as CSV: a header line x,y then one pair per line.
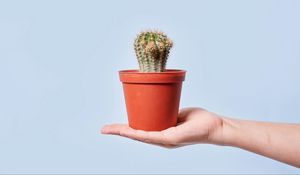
x,y
152,49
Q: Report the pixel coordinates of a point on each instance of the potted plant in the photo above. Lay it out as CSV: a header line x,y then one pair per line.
x,y
152,93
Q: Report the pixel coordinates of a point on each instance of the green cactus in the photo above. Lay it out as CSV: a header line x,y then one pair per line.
x,y
152,49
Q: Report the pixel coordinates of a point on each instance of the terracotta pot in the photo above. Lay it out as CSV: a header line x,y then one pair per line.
x,y
152,99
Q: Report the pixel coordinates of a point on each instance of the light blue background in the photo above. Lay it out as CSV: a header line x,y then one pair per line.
x,y
59,80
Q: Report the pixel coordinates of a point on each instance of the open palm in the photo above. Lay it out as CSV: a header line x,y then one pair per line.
x,y
195,125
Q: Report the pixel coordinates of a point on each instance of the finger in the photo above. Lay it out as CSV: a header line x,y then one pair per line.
x,y
168,146
116,129
155,143
126,131
151,137
154,137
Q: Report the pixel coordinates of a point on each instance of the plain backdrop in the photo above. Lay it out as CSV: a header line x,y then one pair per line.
x,y
59,85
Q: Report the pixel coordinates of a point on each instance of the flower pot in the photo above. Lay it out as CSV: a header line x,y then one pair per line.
x,y
152,99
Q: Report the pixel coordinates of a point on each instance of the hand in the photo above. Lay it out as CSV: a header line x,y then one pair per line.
x,y
195,125
279,141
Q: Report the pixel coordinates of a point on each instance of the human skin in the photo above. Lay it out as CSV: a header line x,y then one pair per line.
x,y
279,141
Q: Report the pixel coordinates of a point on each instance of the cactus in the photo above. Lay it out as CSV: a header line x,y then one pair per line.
x,y
152,49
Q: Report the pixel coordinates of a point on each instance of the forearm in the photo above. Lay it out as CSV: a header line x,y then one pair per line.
x,y
277,141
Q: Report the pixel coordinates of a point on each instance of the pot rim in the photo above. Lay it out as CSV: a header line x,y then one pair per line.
x,y
136,71
169,76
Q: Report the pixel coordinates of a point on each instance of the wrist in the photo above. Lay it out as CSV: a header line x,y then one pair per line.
x,y
226,133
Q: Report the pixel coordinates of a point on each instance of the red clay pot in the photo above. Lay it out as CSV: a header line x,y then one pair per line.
x,y
152,99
